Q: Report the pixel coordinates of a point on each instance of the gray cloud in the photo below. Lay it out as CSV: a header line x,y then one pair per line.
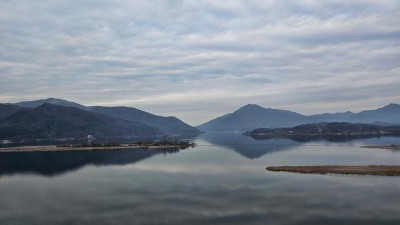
x,y
201,59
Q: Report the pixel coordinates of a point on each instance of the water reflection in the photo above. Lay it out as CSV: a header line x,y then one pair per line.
x,y
56,163
255,147
249,147
210,184
326,138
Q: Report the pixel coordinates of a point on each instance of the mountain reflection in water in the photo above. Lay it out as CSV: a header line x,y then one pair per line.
x,y
221,181
249,147
56,163
325,138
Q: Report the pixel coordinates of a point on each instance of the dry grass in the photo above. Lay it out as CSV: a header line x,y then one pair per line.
x,y
391,147
381,170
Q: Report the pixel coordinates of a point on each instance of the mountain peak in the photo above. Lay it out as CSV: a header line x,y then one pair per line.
x,y
392,106
250,107
253,116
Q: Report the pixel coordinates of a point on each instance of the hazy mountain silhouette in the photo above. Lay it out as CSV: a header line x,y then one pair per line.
x,y
250,117
50,121
53,101
169,125
389,114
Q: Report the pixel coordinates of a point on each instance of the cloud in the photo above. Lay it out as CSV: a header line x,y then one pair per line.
x,y
184,57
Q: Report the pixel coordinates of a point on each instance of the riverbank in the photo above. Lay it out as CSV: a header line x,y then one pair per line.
x,y
380,170
391,147
46,148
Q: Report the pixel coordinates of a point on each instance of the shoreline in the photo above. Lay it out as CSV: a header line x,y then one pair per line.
x,y
378,170
55,148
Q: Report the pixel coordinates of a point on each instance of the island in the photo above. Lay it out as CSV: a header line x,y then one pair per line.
x,y
380,170
330,131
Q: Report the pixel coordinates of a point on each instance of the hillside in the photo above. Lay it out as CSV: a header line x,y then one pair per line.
x,y
50,121
169,125
8,109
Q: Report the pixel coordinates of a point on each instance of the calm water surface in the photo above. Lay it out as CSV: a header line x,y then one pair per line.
x,y
221,181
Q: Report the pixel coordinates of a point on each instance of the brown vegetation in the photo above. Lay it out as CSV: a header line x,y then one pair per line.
x,y
392,147
380,170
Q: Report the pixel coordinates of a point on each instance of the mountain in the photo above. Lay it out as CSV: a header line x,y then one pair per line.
x,y
253,116
8,109
51,121
169,125
53,101
250,117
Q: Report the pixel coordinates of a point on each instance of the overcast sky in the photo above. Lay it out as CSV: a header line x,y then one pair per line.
x,y
200,59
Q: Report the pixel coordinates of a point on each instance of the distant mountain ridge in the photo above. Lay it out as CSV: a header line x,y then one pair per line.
x,y
251,117
246,118
387,114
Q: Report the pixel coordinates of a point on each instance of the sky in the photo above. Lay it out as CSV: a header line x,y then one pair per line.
x,y
197,60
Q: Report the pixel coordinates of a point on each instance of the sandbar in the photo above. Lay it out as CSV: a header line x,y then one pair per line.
x,y
46,148
380,170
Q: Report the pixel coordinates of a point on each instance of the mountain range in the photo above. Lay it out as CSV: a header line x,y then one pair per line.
x,y
253,116
48,118
51,118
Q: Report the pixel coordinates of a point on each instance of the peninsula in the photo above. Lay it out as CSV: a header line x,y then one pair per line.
x,y
85,147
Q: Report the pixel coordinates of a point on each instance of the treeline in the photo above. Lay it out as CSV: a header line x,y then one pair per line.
x,y
334,128
166,142
88,145
182,144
